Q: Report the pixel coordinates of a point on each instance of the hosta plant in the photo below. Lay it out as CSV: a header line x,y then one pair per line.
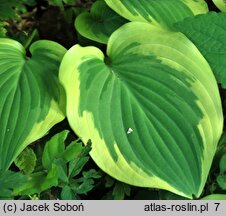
x,y
31,98
149,104
151,107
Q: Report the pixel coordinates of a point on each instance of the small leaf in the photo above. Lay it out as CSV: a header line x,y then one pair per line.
x,y
223,164
77,165
109,181
83,188
221,180
51,178
39,182
10,181
26,161
121,190
72,151
222,140
62,169
54,149
85,183
33,185
91,174
100,23
67,193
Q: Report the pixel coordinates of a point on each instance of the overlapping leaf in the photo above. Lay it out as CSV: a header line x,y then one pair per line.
x,y
31,98
215,197
100,23
208,33
151,108
161,12
221,4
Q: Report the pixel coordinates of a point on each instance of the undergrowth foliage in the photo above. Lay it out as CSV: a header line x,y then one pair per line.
x,y
133,110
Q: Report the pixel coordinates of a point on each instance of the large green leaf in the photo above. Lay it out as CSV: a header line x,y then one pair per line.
x,y
208,33
221,4
151,108
161,12
100,23
31,98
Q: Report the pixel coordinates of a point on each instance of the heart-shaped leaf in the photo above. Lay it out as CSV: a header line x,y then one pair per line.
x,y
160,12
100,23
221,4
210,39
151,108
31,98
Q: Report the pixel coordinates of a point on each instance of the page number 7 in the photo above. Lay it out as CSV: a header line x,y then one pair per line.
x,y
217,205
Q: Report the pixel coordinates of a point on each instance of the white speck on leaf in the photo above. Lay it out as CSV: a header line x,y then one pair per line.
x,y
130,130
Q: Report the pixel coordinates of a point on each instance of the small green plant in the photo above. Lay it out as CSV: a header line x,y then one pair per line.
x,y
143,96
10,181
62,166
119,190
221,179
